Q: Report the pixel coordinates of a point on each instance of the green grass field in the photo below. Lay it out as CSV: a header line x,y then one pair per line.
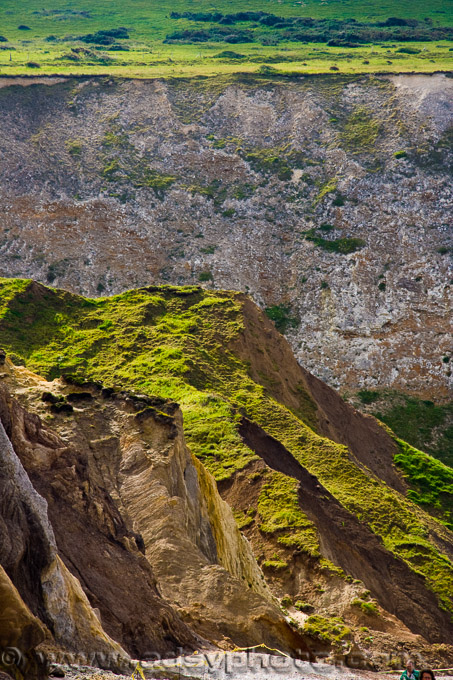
x,y
145,54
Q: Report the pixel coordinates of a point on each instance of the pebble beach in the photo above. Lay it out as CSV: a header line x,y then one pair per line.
x,y
229,666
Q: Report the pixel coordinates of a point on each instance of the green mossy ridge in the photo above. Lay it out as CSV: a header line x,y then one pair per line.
x,y
210,426
400,525
152,343
280,514
175,343
9,289
431,481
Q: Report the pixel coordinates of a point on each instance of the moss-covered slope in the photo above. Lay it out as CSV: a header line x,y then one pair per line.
x,y
421,422
222,361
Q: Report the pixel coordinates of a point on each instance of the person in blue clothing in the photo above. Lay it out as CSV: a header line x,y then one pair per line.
x,y
410,673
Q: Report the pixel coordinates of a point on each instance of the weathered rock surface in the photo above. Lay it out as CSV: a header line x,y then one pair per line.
x,y
19,630
108,185
35,582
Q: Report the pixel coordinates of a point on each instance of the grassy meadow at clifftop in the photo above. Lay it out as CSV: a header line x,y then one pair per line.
x,y
181,344
184,38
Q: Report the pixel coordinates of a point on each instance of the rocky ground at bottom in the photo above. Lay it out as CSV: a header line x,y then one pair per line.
x,y
234,666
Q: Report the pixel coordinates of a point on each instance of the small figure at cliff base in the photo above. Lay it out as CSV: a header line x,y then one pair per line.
x,y
410,673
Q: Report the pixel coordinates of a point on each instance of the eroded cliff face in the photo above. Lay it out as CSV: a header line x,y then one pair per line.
x,y
36,586
138,522
19,629
328,197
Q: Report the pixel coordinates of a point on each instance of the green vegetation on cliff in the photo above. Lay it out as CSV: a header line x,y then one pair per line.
x,y
431,481
333,630
343,246
361,131
420,422
183,344
280,514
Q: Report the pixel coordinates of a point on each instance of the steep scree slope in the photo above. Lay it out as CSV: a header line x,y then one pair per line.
x,y
327,198
313,484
